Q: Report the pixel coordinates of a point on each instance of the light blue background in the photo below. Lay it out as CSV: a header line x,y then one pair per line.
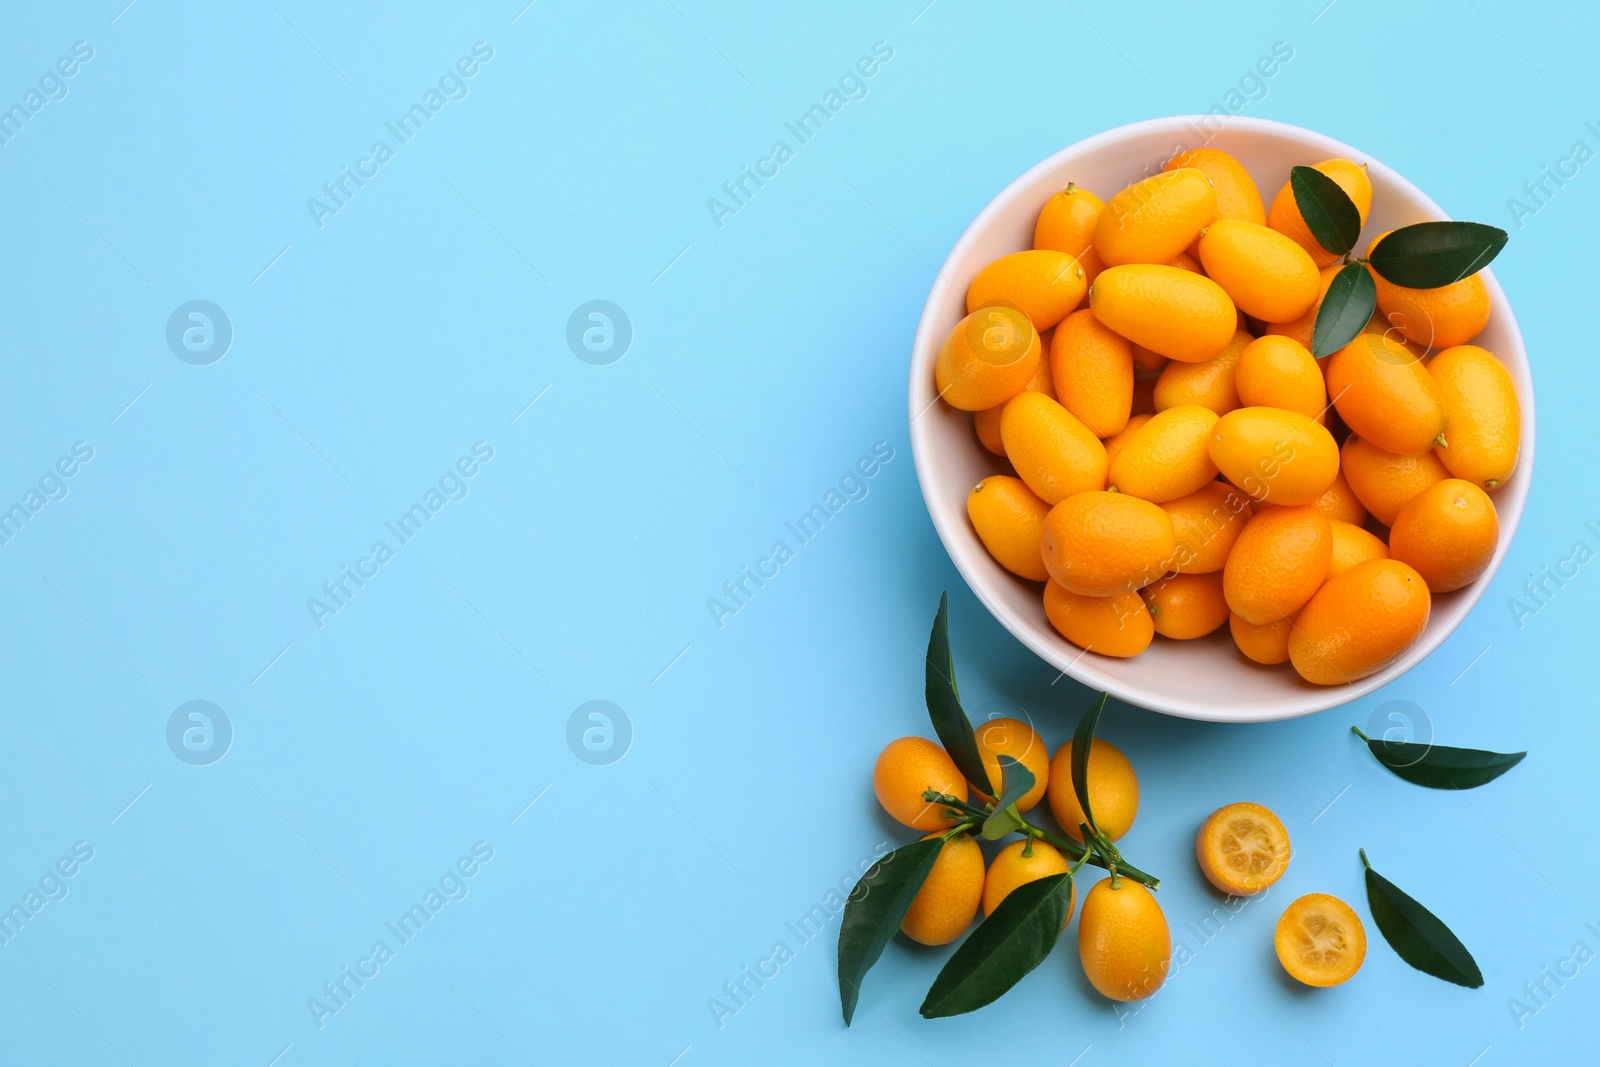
x,y
768,356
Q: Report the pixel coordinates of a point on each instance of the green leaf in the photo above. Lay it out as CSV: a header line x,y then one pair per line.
x,y
1442,767
1003,949
874,910
1082,741
1346,308
1431,254
1330,214
1000,823
1015,780
1416,934
950,722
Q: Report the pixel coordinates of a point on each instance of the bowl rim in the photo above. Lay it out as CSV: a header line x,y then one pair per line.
x,y
1080,665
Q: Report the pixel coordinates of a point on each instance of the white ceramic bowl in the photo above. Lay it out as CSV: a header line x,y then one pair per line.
x,y
1207,678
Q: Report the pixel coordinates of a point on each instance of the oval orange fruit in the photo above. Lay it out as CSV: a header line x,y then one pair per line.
x,y
1172,312
1340,501
1352,545
1434,318
905,769
1186,606
1019,863
1118,626
1151,221
1066,224
987,359
1055,454
1275,456
1448,532
1483,420
1237,195
1146,361
1014,738
1302,329
1100,544
948,901
1116,441
1168,457
1113,791
1205,524
1266,643
1209,384
1092,369
1384,394
1359,622
1278,372
1265,273
1277,563
1123,940
1045,285
1384,482
1010,523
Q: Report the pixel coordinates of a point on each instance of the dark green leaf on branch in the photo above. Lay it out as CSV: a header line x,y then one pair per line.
x,y
1003,949
1082,741
950,721
1330,214
1346,308
1428,255
874,910
1015,780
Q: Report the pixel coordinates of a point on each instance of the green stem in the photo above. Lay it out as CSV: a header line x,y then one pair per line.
x,y
946,800
1078,852
1071,848
1102,844
1364,862
1097,843
1357,731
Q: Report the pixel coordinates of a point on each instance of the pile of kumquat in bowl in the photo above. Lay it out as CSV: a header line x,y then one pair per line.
x,y
1205,412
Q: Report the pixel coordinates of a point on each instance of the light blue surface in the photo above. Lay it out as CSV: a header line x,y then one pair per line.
x,y
372,753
